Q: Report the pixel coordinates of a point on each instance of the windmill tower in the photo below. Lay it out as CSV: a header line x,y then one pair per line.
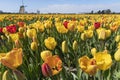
x,y
22,8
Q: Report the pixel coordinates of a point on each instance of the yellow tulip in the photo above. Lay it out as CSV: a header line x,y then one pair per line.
x,y
118,46
103,59
5,30
21,29
89,33
117,55
88,65
48,24
31,33
101,34
45,54
80,28
83,36
93,51
60,28
12,59
117,38
82,22
57,19
39,26
14,36
50,43
34,46
7,75
91,28
107,33
64,47
75,45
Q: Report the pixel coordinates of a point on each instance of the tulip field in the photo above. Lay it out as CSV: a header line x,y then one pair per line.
x,y
59,47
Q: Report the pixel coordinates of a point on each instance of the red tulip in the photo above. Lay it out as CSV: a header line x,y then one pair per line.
x,y
1,30
65,24
97,25
46,71
11,29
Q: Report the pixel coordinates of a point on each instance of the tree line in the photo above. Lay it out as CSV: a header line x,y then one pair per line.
x,y
106,11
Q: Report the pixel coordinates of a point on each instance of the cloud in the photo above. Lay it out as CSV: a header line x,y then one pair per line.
x,y
71,8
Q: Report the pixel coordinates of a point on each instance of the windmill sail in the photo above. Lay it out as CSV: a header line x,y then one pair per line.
x,y
22,8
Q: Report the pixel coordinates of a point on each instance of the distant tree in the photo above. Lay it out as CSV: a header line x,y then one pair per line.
x,y
99,12
108,11
1,11
92,12
103,12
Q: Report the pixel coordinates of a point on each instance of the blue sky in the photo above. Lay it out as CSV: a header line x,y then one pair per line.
x,y
61,6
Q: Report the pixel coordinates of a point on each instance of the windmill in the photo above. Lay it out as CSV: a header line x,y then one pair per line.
x,y
22,8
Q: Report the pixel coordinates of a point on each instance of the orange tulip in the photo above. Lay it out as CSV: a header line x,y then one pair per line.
x,y
55,64
12,59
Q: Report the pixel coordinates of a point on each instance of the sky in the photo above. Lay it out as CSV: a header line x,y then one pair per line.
x,y
60,6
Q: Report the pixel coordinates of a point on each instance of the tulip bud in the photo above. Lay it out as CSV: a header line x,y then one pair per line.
x,y
21,29
18,44
34,46
93,51
9,38
89,33
46,71
105,50
18,75
20,35
2,37
83,36
4,30
24,34
91,28
107,33
101,34
64,47
117,38
75,45
34,39
0,76
118,46
7,75
117,55
45,54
